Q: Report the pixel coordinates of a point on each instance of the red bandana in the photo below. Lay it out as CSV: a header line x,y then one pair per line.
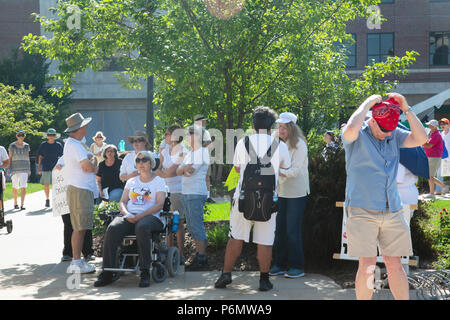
x,y
387,114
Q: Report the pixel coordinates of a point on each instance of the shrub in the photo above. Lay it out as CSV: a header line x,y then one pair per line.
x,y
104,208
218,236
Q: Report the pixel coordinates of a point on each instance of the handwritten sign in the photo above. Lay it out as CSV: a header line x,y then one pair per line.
x,y
445,167
59,193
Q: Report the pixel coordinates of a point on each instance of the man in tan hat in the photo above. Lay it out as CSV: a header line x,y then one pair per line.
x,y
140,143
80,176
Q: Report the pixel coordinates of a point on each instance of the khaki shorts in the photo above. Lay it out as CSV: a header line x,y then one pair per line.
x,y
434,164
368,228
46,177
81,207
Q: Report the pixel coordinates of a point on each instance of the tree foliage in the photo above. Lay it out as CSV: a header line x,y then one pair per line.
x,y
273,52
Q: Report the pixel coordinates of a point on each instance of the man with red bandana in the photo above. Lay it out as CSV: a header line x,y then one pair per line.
x,y
373,205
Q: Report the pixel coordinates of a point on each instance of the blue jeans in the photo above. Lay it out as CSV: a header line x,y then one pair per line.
x,y
288,244
115,195
193,206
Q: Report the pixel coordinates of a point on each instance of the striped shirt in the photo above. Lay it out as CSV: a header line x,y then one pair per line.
x,y
20,158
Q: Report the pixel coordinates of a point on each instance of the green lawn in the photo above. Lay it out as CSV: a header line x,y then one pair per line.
x,y
32,187
217,211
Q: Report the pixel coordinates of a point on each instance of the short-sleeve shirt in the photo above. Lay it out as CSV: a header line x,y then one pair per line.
x,y
3,154
110,175
196,183
173,183
50,153
142,195
74,153
20,160
437,149
261,143
372,166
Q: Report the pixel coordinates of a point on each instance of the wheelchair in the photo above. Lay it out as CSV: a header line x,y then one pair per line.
x,y
8,224
165,260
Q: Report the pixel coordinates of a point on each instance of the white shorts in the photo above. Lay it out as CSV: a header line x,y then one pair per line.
x,y
19,180
263,232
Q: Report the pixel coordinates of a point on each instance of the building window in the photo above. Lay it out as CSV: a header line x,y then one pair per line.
x,y
439,48
350,51
379,47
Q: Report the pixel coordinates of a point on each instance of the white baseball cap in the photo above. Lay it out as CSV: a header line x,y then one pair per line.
x,y
287,117
433,123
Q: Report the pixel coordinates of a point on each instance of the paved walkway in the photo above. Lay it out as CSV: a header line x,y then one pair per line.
x,y
30,268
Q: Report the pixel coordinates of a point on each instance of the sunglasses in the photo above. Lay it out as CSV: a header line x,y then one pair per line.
x,y
143,160
383,129
21,135
138,140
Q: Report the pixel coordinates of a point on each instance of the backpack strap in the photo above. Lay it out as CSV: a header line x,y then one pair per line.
x,y
269,153
251,151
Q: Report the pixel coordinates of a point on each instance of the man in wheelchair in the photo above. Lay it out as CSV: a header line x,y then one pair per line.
x,y
140,207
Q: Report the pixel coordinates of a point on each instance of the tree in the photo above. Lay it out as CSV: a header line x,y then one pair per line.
x,y
19,110
21,69
275,53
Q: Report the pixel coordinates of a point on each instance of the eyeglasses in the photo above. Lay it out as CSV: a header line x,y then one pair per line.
x,y
143,160
21,135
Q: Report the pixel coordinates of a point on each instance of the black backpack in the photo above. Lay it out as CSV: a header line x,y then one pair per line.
x,y
256,198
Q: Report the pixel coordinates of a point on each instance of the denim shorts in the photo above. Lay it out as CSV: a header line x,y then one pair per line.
x,y
193,205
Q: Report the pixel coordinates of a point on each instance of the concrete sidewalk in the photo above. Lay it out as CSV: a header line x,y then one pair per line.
x,y
30,268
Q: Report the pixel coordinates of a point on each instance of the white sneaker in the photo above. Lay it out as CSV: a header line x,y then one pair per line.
x,y
429,196
81,267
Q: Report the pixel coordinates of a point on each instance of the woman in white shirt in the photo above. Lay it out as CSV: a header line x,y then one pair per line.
x,y
170,158
98,147
194,194
142,201
140,143
293,189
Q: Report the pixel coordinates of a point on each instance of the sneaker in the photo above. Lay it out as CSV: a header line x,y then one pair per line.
x,y
22,208
89,257
47,203
265,285
105,278
198,264
429,196
145,279
294,273
66,258
82,267
223,281
276,271
16,206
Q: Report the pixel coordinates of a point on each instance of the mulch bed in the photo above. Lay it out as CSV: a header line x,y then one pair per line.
x,y
342,272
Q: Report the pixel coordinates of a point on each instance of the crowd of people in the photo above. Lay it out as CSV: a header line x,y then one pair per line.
x,y
379,183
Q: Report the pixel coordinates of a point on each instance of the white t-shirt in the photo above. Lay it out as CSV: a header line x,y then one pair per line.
x,y
196,183
260,143
142,195
406,184
74,153
3,154
446,138
128,165
173,183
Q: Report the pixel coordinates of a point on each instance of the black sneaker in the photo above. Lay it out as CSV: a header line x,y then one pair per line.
x,y
198,264
16,206
265,285
145,279
223,281
47,203
105,278
22,208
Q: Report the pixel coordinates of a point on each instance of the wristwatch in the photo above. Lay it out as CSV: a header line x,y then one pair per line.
x,y
407,111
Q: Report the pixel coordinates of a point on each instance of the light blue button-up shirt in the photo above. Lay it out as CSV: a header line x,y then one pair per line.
x,y
371,167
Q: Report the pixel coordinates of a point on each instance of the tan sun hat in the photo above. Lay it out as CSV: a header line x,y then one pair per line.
x,y
99,134
76,121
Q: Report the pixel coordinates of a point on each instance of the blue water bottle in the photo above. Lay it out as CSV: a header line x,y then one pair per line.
x,y
175,221
121,146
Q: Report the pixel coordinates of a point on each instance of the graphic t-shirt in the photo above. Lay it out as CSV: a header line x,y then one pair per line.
x,y
142,195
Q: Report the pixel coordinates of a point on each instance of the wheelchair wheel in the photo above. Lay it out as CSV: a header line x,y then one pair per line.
x,y
9,226
159,272
173,261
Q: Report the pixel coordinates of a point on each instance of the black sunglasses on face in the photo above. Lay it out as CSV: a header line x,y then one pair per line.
x,y
138,160
383,129
138,140
21,135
